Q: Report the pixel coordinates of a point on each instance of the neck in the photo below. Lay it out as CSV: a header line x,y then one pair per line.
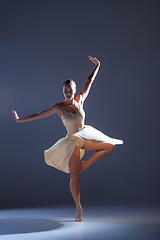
x,y
70,101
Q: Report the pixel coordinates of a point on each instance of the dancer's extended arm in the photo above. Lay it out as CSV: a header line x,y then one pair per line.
x,y
90,79
51,110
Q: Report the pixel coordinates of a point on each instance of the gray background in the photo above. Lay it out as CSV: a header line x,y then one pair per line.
x,y
43,43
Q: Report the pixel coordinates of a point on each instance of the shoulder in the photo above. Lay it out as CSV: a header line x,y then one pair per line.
x,y
59,106
79,99
56,108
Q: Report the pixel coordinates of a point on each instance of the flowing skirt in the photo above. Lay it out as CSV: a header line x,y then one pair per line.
x,y
59,154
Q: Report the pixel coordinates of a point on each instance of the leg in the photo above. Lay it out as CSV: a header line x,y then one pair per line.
x,y
74,165
102,150
92,146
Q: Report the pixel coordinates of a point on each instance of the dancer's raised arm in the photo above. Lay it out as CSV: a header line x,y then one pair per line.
x,y
90,79
51,110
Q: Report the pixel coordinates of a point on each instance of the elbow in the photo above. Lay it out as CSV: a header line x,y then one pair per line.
x,y
39,116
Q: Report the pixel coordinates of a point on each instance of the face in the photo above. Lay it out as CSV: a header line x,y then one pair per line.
x,y
69,90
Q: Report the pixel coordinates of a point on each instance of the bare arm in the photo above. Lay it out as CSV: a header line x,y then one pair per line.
x,y
51,110
85,91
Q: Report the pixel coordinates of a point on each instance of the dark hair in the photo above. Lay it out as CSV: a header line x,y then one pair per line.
x,y
68,82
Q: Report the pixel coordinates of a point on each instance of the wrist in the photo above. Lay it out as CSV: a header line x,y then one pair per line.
x,y
97,66
19,120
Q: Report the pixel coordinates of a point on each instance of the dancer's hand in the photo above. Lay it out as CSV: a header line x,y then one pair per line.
x,y
94,60
15,115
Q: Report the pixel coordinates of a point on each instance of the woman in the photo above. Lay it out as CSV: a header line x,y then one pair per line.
x,y
67,152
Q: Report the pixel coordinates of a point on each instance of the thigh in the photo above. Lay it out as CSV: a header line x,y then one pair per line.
x,y
74,162
92,146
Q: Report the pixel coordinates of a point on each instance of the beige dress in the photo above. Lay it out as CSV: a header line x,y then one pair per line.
x,y
59,154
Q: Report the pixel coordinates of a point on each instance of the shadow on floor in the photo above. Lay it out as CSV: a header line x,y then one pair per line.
x,y
27,225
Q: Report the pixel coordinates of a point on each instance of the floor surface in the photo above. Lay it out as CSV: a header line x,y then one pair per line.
x,y
100,223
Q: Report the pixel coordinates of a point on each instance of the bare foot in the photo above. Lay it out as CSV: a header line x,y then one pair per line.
x,y
78,217
83,166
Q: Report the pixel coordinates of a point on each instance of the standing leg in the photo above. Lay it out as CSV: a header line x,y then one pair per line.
x,y
74,165
102,150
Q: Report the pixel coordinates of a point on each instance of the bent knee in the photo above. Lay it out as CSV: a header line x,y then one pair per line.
x,y
112,147
109,147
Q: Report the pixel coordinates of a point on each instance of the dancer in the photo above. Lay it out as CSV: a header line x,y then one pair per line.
x,y
67,152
